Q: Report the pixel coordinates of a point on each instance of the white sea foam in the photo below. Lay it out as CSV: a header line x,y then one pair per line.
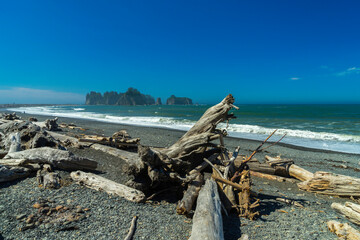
x,y
319,140
79,109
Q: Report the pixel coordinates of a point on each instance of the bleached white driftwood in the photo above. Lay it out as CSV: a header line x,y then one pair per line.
x,y
343,230
100,183
57,158
130,235
12,173
300,173
207,220
332,184
15,145
350,210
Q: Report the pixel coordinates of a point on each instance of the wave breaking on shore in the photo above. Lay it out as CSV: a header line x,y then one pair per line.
x,y
304,138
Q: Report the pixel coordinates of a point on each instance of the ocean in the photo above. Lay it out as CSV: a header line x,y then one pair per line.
x,y
326,127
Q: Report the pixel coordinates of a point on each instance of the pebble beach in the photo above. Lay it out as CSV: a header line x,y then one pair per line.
x,y
109,217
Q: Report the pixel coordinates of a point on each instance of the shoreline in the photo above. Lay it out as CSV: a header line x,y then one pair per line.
x,y
277,221
72,119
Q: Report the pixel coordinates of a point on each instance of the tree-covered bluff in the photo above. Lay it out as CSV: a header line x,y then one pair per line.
x,y
131,97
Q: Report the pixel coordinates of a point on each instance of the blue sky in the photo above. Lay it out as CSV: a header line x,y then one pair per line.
x,y
260,51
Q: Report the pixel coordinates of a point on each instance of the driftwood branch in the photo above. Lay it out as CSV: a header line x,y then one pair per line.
x,y
130,235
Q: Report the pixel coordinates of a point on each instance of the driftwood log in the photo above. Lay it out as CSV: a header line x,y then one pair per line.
x,y
186,203
96,182
57,158
120,139
350,210
291,169
207,220
332,184
8,173
343,230
134,163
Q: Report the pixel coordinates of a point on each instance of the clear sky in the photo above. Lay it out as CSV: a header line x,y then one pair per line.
x,y
260,51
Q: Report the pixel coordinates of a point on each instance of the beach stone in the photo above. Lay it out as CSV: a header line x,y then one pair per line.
x,y
20,216
79,209
59,207
38,205
30,219
26,227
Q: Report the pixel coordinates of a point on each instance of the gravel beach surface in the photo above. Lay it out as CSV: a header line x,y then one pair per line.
x,y
109,217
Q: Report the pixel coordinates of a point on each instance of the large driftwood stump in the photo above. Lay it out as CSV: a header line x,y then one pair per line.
x,y
199,136
332,184
57,158
172,164
207,221
96,182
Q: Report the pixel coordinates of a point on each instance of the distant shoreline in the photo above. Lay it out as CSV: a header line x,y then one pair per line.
x,y
33,105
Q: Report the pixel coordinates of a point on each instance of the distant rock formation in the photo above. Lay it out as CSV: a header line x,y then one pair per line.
x,y
158,101
131,97
178,100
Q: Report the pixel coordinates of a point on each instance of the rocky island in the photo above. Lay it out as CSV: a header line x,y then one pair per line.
x,y
172,100
131,97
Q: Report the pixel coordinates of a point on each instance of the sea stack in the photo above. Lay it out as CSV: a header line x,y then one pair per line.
x,y
172,100
158,101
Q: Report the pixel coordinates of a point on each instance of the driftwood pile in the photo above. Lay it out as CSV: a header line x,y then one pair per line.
x,y
28,148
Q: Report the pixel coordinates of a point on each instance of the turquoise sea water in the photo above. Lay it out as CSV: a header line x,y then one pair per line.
x,y
330,127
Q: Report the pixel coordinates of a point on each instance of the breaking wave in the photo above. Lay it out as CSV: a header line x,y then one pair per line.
x,y
306,138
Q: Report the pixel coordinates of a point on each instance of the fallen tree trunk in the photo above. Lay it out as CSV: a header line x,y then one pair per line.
x,y
300,173
186,203
207,221
343,230
350,210
55,157
332,184
100,183
12,173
